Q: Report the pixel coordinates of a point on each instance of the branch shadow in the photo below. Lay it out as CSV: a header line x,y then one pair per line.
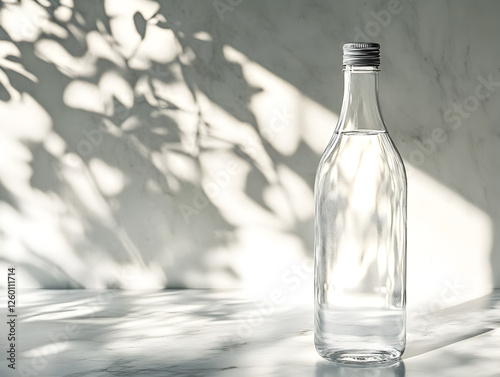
x,y
115,114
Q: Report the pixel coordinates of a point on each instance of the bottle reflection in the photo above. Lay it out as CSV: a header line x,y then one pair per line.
x,y
393,369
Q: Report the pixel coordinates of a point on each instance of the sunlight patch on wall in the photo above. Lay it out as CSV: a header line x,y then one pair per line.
x,y
110,180
181,166
300,194
32,122
84,95
449,245
99,46
35,243
202,36
99,98
22,21
113,86
133,276
284,115
159,45
53,52
124,28
264,257
116,8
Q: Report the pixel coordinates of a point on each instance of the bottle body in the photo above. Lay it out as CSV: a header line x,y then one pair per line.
x,y
360,234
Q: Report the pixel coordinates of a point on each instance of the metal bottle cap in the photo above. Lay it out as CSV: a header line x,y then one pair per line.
x,y
361,53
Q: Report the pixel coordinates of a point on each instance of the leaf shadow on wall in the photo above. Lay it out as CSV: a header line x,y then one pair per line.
x,y
114,146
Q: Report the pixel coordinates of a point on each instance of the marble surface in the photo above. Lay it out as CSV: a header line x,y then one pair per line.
x,y
75,333
152,144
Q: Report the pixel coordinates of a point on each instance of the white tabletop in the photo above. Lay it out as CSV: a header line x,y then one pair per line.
x,y
216,333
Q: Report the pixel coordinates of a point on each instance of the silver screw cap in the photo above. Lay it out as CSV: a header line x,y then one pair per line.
x,y
361,53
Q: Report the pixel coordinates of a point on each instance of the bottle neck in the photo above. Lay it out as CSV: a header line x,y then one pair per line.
x,y
360,106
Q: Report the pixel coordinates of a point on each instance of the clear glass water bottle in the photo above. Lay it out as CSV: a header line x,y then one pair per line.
x,y
360,227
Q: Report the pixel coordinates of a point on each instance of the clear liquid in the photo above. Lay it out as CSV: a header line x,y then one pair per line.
x,y
360,335
360,250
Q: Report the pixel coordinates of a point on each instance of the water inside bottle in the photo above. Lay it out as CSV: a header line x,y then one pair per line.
x,y
360,244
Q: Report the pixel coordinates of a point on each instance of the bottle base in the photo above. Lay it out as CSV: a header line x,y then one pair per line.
x,y
361,356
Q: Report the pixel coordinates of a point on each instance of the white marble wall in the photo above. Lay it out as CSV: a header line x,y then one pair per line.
x,y
152,144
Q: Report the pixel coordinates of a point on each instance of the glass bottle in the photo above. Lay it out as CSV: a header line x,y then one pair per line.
x,y
360,227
